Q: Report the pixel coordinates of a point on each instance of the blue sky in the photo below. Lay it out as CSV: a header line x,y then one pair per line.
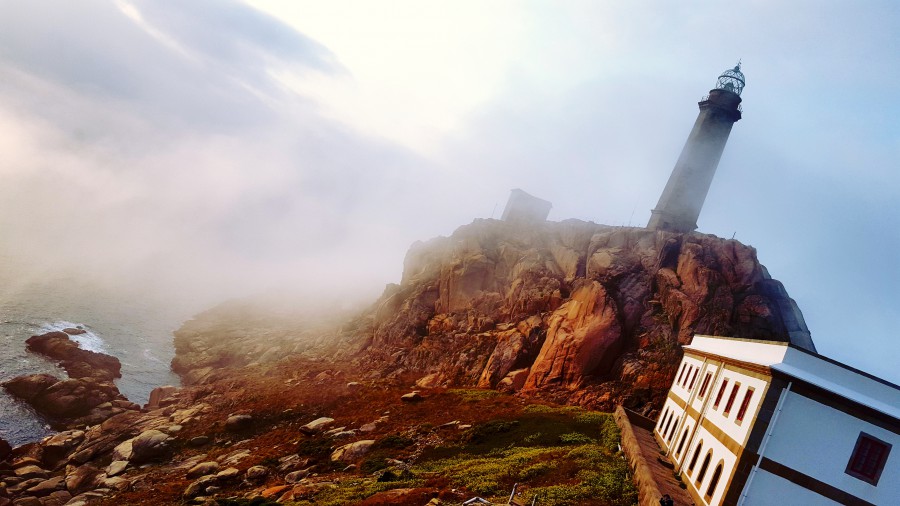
x,y
237,146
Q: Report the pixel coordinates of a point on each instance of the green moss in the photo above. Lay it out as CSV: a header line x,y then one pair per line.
x,y
575,438
351,492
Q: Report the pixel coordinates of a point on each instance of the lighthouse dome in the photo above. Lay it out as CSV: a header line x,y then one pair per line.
x,y
731,80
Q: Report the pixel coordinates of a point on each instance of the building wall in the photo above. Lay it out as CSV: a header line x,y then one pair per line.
x,y
718,435
767,485
817,440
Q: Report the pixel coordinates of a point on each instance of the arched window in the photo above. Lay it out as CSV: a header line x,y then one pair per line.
x,y
683,439
672,430
715,480
662,419
681,374
696,455
703,468
668,423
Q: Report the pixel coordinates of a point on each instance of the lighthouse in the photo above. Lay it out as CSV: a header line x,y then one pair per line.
x,y
679,206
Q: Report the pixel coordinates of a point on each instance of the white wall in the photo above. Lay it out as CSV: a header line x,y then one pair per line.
x,y
719,453
765,486
818,441
728,424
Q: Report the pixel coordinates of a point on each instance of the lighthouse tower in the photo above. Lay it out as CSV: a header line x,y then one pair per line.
x,y
681,201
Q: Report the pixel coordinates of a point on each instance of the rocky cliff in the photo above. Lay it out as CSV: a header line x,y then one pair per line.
x,y
572,311
575,311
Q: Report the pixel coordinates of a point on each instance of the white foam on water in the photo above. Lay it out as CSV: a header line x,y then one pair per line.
x,y
87,341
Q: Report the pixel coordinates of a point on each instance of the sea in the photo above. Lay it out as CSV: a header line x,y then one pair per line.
x,y
135,327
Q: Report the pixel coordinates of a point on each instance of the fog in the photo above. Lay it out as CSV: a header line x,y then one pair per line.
x,y
198,151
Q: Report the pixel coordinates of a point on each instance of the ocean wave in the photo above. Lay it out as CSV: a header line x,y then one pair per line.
x,y
87,341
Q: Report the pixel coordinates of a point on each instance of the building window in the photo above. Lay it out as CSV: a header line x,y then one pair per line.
x,y
694,378
681,374
705,384
744,403
719,395
668,422
734,391
662,419
672,430
683,439
687,376
711,489
868,458
703,468
694,458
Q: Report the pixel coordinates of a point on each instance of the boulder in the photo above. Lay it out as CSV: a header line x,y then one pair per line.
x,y
47,487
150,445
199,486
161,397
77,362
227,474
30,471
412,397
203,469
256,473
81,479
238,423
353,451
317,425
5,449
116,467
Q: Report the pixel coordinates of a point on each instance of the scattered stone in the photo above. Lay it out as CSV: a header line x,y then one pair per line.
x,y
74,331
27,501
198,441
227,474
334,431
344,433
238,423
203,469
256,473
58,498
199,486
296,476
123,451
449,425
116,467
369,427
233,457
25,461
172,429
316,425
412,397
46,487
149,445
273,491
350,468
118,483
352,451
81,479
31,471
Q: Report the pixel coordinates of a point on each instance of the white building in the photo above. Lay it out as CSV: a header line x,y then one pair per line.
x,y
758,423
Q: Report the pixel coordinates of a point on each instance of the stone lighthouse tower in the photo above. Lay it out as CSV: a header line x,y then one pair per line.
x,y
681,201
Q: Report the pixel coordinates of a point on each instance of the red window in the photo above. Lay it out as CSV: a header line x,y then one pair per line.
x,y
734,391
687,376
705,384
868,458
719,395
744,403
681,374
693,379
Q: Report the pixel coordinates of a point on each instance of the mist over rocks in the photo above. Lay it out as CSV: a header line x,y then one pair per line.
x,y
571,311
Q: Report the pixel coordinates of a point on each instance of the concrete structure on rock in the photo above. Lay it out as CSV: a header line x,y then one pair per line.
x,y
524,207
680,203
756,423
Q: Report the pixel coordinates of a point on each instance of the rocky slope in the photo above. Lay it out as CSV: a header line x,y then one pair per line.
x,y
572,311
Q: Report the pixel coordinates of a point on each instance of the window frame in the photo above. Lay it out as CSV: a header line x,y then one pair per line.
x,y
693,379
704,385
879,466
745,404
731,397
721,393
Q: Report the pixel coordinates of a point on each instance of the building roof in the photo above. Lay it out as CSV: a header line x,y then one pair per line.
x,y
823,372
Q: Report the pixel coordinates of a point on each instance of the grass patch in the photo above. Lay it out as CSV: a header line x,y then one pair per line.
x,y
563,456
354,491
474,394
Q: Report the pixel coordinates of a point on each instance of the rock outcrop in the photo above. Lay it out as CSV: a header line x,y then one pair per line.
x,y
87,397
593,313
